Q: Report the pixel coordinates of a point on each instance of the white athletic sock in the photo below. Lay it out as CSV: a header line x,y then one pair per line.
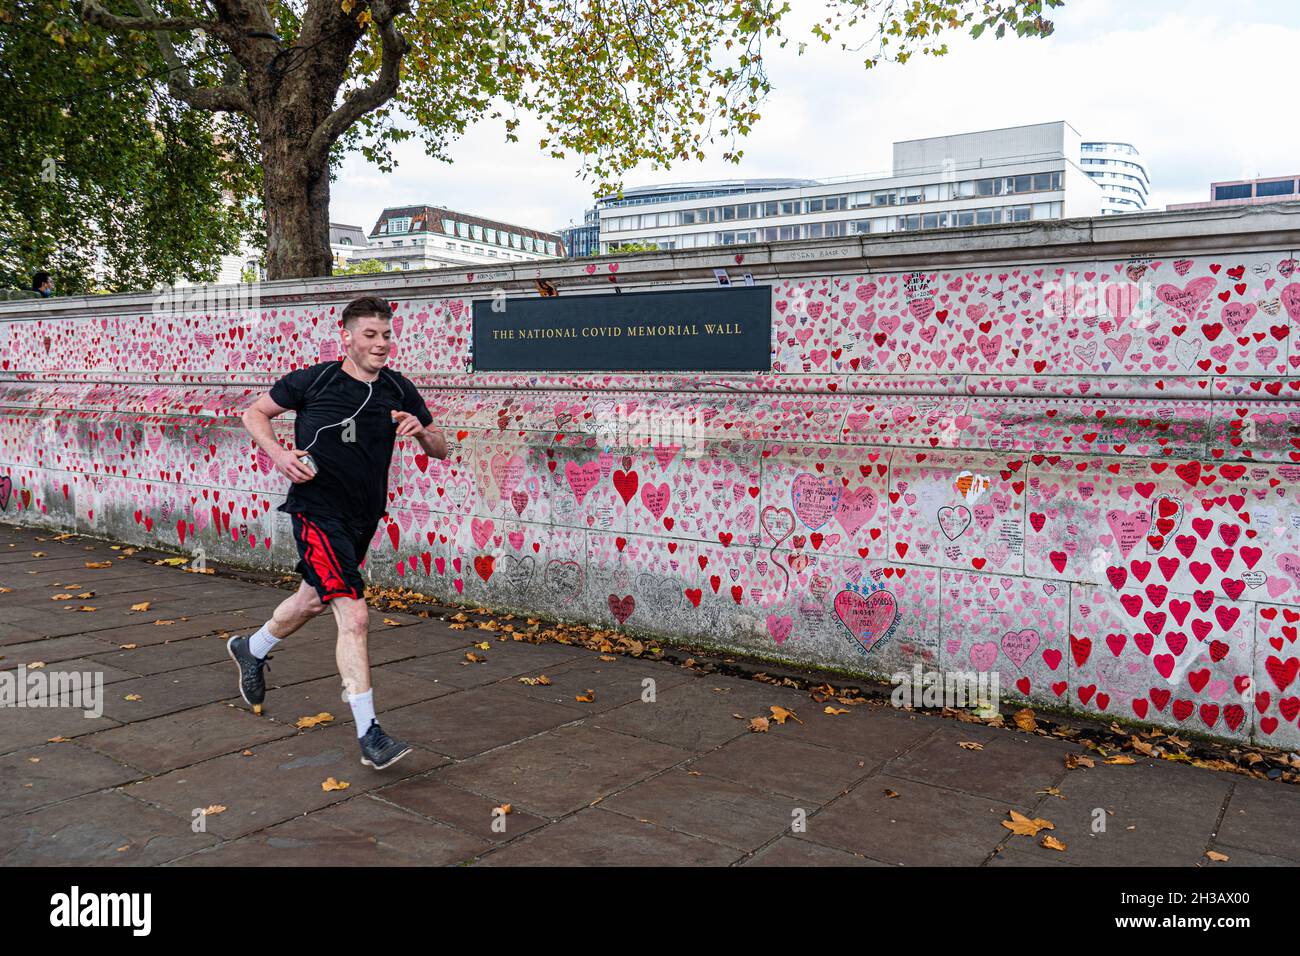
x,y
260,644
363,710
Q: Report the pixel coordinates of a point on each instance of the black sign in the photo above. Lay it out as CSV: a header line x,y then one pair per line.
x,y
683,330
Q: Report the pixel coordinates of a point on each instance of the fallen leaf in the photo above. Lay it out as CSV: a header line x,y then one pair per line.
x,y
588,698
779,714
1074,761
60,597
173,562
891,794
391,623
162,623
322,718
1119,759
133,697
970,745
57,740
1025,719
142,606
758,725
534,681
503,809
1052,792
474,658
38,554
332,784
1023,826
1217,857
835,710
483,645
1052,843
99,564
127,647
35,665
214,809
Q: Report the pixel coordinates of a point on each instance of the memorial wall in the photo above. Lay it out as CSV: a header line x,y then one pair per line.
x,y
1065,453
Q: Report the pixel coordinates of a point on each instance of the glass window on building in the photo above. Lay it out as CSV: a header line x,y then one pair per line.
x,y
491,235
728,213
834,229
688,217
1042,181
477,232
814,230
912,194
884,197
1022,184
965,217
1239,191
984,217
771,234
1278,187
789,232
816,205
987,187
930,221
462,230
791,207
771,208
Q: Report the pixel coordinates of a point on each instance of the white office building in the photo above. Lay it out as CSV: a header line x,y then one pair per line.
x,y
1019,174
1120,172
435,237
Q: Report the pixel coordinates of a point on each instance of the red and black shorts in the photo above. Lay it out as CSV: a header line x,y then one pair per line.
x,y
332,551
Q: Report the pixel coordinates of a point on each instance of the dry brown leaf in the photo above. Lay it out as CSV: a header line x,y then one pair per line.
x,y
1023,826
758,725
588,698
1074,761
38,554
1024,719
57,740
60,597
503,809
142,606
970,745
780,714
607,657
1052,843
162,623
127,647
1052,792
33,759
99,564
214,809
133,697
1217,857
322,718
35,665
458,627
86,607
1119,759
482,645
391,623
474,658
332,784
534,681
4,590
891,794
834,710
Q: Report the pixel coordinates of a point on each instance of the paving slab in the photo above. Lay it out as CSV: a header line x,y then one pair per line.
x,y
709,807
924,825
55,772
276,781
787,851
596,837
107,828
614,682
357,837
1156,813
178,740
500,661
1263,817
475,720
563,770
432,796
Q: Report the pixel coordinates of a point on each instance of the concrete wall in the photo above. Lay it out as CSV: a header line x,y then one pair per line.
x,y
1068,452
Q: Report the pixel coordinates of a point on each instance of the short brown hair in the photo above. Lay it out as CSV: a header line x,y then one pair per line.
x,y
364,306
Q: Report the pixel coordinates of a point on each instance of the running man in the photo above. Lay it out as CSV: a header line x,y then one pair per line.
x,y
349,414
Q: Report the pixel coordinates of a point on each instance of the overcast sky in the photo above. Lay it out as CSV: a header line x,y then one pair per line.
x,y
1204,88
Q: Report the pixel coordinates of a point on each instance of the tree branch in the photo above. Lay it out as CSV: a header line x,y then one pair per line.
x,y
233,97
359,102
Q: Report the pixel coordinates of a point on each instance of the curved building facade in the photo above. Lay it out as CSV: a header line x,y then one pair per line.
x,y
1119,170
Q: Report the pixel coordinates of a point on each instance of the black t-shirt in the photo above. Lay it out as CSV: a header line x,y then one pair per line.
x,y
352,475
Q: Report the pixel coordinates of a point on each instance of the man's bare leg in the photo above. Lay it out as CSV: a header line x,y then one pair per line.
x,y
351,652
250,652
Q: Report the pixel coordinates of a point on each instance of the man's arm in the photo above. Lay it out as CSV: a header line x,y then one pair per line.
x,y
257,420
431,439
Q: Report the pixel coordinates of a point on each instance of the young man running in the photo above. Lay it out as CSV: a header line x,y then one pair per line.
x,y
349,414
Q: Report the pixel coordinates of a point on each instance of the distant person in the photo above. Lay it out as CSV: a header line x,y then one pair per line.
x,y
349,414
42,284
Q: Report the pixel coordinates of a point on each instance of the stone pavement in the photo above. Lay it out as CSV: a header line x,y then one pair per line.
x,y
616,781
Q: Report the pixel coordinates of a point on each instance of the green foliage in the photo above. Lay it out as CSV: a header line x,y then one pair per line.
x,y
357,267
109,184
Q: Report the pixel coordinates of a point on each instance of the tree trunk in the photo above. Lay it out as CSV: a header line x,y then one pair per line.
x,y
297,203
